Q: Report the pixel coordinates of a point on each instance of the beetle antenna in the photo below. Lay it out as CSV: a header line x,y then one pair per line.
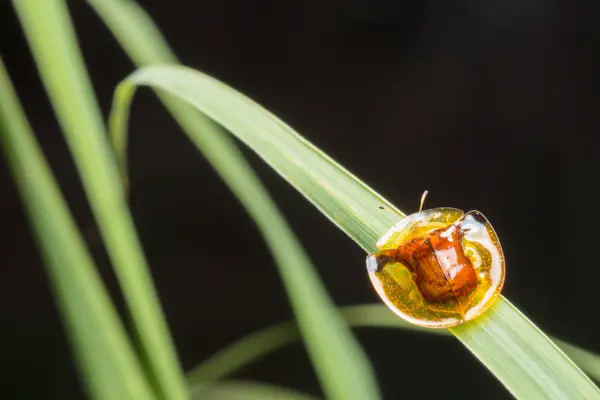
x,y
423,200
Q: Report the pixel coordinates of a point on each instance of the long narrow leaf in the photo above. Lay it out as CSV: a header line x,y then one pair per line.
x,y
50,34
258,345
341,365
109,367
520,355
145,45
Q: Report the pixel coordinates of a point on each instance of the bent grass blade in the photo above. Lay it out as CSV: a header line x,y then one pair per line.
x,y
104,354
53,43
525,360
341,365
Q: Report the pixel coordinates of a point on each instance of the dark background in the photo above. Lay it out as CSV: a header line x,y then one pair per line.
x,y
488,104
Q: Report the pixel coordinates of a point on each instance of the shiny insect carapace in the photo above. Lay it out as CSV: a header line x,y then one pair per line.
x,y
438,268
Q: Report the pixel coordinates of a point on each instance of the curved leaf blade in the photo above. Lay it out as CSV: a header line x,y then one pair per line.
x,y
340,196
344,373
342,366
51,37
353,207
106,359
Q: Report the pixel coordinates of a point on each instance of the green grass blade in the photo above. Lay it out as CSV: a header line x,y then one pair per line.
x,y
245,390
523,359
505,327
586,360
135,31
144,44
107,363
50,34
341,365
259,344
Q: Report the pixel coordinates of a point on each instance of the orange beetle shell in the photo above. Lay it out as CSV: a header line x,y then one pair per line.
x,y
438,268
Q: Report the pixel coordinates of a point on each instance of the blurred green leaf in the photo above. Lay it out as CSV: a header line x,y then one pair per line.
x,y
259,344
342,367
107,362
245,390
51,37
518,354
143,42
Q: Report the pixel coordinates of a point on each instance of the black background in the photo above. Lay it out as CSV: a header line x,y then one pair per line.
x,y
488,104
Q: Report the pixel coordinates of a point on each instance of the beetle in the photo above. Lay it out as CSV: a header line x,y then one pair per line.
x,y
439,267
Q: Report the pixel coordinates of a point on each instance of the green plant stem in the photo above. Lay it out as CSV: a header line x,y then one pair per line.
x,y
525,360
50,34
108,365
342,367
